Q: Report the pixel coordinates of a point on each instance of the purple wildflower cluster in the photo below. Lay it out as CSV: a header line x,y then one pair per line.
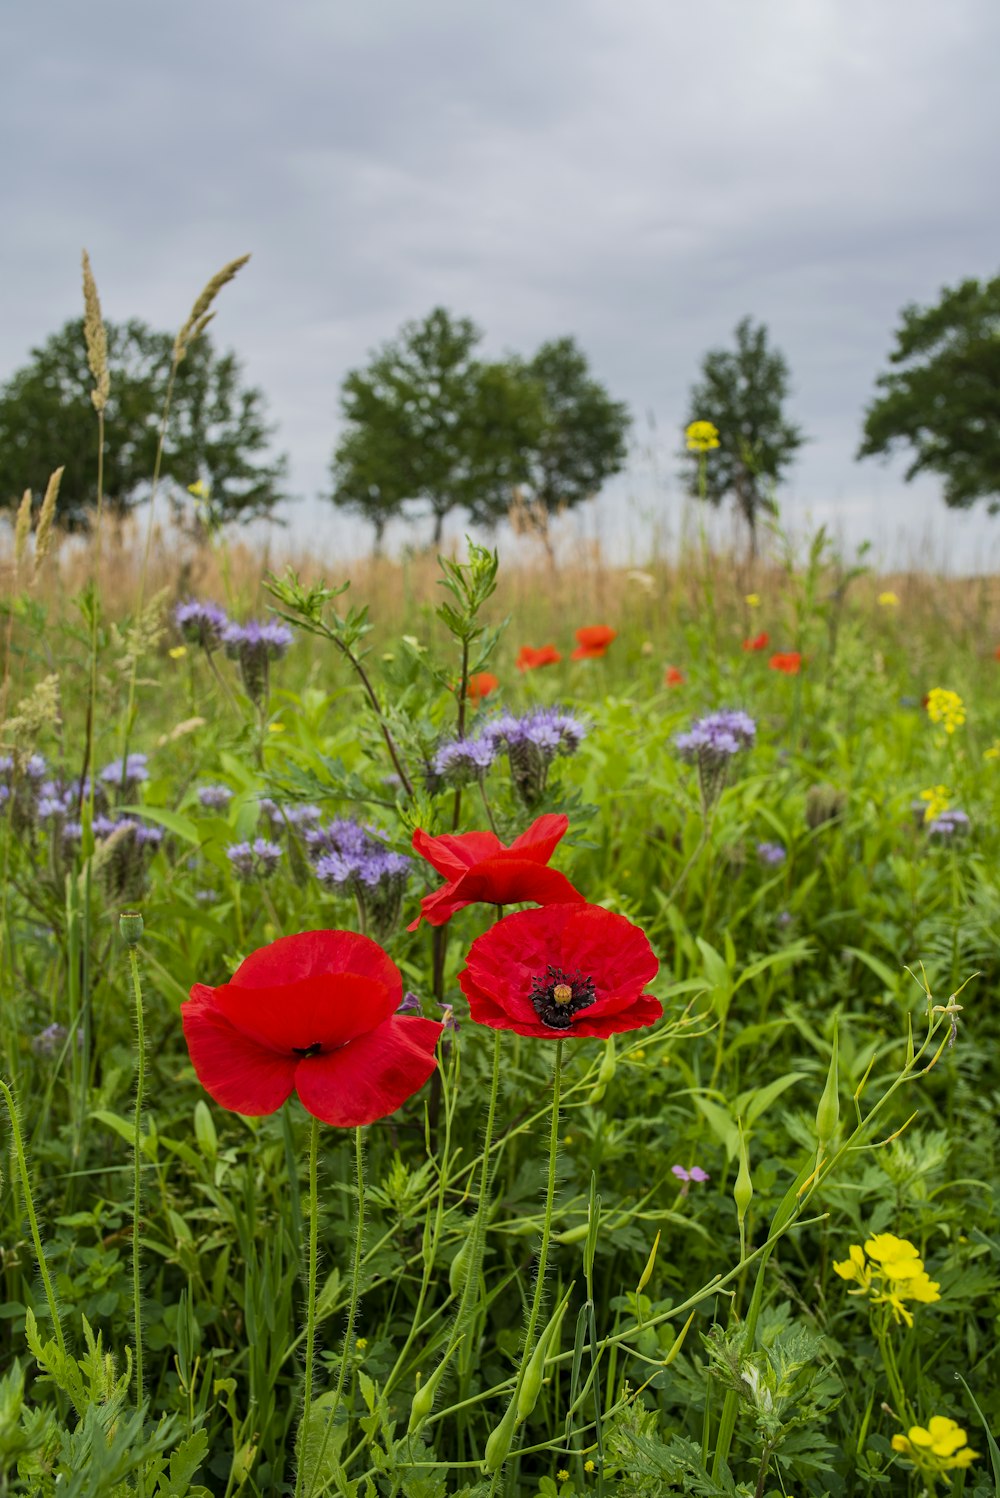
x,y
947,823
301,818
350,860
201,623
128,847
459,761
214,797
771,854
254,861
254,646
50,1041
125,775
22,784
532,742
712,743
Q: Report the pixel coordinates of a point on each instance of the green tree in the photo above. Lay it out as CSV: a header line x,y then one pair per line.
x,y
942,396
743,393
427,421
217,431
581,438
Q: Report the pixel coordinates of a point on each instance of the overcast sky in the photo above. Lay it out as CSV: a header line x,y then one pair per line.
x,y
638,173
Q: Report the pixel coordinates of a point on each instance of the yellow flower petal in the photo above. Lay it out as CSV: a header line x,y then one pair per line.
x,y
178,652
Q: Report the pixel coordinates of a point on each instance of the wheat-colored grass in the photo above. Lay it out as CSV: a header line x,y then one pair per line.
x,y
96,338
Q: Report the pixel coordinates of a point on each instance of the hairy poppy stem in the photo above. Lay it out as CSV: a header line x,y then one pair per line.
x,y
310,1299
550,1191
352,1309
22,1165
140,1080
478,1240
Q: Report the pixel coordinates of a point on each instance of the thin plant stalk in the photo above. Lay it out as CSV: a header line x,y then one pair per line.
x,y
310,1296
36,1237
140,1081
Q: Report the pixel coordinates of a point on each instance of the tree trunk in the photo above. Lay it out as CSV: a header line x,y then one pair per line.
x,y
379,525
438,527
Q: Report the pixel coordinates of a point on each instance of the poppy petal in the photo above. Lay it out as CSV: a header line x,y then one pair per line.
x,y
237,1072
512,881
310,954
540,840
329,1009
453,855
370,1077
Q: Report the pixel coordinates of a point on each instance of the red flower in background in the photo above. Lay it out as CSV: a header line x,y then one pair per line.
x,y
529,659
313,1014
790,663
997,652
481,684
759,642
593,641
571,970
674,677
479,868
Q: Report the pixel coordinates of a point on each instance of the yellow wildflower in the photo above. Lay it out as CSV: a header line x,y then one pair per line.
x,y
562,1475
276,728
199,489
938,1447
938,798
888,600
894,1275
946,708
752,600
702,436
362,1344
590,1466
993,752
178,652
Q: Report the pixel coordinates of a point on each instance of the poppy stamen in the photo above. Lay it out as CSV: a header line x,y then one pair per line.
x,y
558,996
305,1052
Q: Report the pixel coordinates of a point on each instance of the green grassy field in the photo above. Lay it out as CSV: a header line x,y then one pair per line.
x,y
749,1247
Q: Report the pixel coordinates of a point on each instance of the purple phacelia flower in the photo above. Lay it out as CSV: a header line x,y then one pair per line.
x,y
125,775
254,861
532,742
771,854
351,862
947,823
201,623
214,797
464,760
50,1041
711,743
254,646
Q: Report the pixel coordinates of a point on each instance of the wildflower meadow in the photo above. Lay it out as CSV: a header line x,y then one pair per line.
x,y
478,1029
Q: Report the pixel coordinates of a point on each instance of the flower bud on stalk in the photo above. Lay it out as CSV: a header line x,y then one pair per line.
x,y
609,1065
743,1192
498,1445
423,1399
534,1373
828,1112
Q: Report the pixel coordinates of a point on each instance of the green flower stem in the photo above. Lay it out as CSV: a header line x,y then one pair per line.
x,y
140,1080
22,1165
482,1210
543,1251
310,1295
352,1309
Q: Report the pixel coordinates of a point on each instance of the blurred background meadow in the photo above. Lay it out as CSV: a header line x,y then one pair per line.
x,y
594,374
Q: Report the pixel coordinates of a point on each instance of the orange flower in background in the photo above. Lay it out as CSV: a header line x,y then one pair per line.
x,y
593,640
529,659
481,684
997,652
790,662
674,677
759,642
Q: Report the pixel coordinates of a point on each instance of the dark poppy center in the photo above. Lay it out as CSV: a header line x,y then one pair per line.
x,y
559,995
304,1052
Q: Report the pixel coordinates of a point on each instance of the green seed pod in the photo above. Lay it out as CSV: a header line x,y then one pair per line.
x,y
130,926
498,1445
459,1268
609,1064
828,1112
423,1399
534,1374
743,1190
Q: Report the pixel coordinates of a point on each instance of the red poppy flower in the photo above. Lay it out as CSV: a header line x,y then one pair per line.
x,y
593,641
759,642
529,659
674,677
479,868
790,663
997,652
481,684
313,1014
564,970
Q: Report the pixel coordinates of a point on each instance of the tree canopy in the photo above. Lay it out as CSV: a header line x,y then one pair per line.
x,y
742,392
217,431
942,396
428,421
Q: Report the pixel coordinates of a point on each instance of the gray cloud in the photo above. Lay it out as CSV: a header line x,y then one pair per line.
x,y
640,175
